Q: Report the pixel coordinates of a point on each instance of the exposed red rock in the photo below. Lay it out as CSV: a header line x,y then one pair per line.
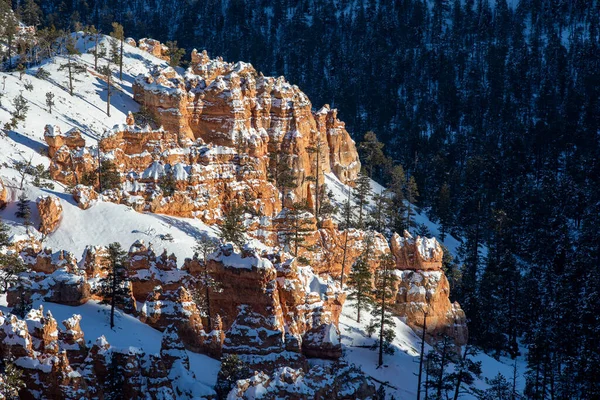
x,y
50,211
3,195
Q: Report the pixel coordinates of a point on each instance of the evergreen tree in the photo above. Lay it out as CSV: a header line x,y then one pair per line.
x,y
72,67
167,182
371,151
11,380
108,176
499,389
24,211
440,381
114,288
296,225
118,36
360,279
362,193
382,320
232,370
175,53
204,247
50,101
444,210
232,228
411,195
107,72
4,234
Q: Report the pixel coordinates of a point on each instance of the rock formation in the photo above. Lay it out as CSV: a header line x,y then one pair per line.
x,y
335,381
57,364
3,195
423,288
50,211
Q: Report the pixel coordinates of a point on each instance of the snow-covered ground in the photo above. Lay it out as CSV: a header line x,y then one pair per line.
x,y
400,370
128,332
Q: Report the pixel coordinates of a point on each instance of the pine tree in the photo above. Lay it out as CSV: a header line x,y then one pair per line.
x,y
50,101
362,193
371,150
360,279
95,33
232,228
397,207
438,361
72,67
204,247
232,370
411,195
107,72
31,13
175,53
316,151
296,225
4,234
117,54
382,321
444,210
11,380
24,211
281,174
167,183
108,176
114,288
347,222
499,389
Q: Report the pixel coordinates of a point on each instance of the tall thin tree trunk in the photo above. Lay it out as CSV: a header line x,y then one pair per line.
x,y
121,61
113,299
345,242
382,326
460,375
422,355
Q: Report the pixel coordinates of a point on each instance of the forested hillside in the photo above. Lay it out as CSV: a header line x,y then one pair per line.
x,y
493,108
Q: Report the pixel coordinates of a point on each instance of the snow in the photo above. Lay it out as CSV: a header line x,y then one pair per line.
x,y
401,368
129,334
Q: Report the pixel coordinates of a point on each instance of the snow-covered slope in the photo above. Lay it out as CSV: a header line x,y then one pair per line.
x,y
106,222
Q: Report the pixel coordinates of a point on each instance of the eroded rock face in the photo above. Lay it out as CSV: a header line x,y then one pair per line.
x,y
336,381
175,309
84,196
270,307
3,195
423,287
54,277
50,211
219,101
59,366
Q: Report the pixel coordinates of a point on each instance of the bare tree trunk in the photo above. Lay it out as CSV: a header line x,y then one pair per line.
x,y
382,326
422,355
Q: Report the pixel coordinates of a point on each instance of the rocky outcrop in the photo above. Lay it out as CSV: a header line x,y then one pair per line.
x,y
148,271
423,288
176,309
54,277
84,196
153,47
66,369
222,102
3,195
50,211
269,307
335,381
424,254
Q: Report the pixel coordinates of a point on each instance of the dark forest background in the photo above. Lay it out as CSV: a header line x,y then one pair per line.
x,y
493,108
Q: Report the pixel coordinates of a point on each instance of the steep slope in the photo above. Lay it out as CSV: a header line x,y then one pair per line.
x,y
266,292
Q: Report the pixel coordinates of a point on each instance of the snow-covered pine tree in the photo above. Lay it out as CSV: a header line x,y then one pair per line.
x,y
360,279
24,211
382,321
362,194
205,246
232,228
114,288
